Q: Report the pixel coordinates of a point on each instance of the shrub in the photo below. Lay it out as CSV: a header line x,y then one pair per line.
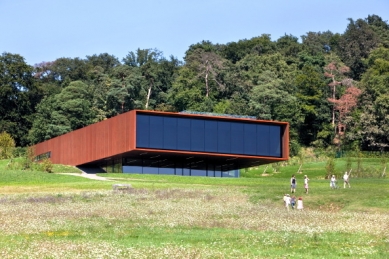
x,y
330,167
46,165
19,152
28,158
7,144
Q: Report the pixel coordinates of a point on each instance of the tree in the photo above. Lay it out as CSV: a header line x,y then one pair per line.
x,y
7,143
236,51
371,125
314,106
19,95
106,61
58,114
157,72
269,101
65,70
74,102
330,166
317,43
289,46
127,89
380,27
355,45
332,70
186,92
48,122
344,106
141,56
208,66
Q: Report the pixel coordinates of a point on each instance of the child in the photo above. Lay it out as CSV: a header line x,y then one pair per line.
x,y
293,201
287,202
293,184
346,179
300,204
306,180
333,182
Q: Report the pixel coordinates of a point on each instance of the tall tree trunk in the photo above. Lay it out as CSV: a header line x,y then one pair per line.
x,y
148,96
206,81
333,107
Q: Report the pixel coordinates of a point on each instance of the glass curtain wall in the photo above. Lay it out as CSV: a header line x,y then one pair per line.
x,y
202,135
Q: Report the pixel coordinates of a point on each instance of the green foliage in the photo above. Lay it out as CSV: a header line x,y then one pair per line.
x,y
46,165
330,167
236,51
7,144
359,163
349,163
355,45
313,104
19,95
28,159
317,43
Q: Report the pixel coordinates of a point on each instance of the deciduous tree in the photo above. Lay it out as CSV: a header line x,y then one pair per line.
x,y
7,143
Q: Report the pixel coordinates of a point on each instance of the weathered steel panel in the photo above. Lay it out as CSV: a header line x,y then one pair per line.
x,y
94,142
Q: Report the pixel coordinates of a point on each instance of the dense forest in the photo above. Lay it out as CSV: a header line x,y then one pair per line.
x,y
332,88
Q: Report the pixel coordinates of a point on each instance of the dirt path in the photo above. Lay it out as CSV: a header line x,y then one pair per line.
x,y
89,176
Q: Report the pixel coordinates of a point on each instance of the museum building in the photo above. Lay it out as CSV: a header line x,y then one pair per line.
x,y
151,142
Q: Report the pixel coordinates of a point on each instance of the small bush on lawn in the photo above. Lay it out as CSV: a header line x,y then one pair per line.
x,y
46,165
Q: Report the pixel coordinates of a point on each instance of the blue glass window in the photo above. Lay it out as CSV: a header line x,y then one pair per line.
x,y
206,135
224,137
197,135
183,134
262,140
250,139
169,133
210,128
156,131
237,138
142,131
275,141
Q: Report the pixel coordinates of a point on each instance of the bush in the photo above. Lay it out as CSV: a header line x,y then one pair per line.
x,y
19,152
7,144
46,165
330,167
28,158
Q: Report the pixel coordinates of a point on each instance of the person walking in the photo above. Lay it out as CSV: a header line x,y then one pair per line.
x,y
287,202
293,184
346,180
293,202
306,180
300,205
333,182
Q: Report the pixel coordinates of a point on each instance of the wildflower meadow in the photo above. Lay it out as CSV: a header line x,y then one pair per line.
x,y
66,216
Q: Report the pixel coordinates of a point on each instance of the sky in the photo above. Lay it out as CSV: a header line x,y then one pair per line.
x,y
44,30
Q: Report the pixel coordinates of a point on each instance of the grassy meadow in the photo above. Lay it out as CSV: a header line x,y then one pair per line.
x,y
57,215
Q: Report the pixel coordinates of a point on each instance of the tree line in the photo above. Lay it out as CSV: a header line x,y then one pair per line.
x,y
332,88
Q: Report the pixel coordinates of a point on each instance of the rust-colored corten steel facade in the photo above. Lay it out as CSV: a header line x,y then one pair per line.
x,y
170,140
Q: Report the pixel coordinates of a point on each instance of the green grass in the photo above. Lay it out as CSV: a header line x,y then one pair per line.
x,y
56,215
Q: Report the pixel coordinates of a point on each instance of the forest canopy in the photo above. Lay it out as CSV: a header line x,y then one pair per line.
x,y
332,88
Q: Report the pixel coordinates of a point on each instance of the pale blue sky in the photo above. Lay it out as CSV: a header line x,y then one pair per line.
x,y
44,30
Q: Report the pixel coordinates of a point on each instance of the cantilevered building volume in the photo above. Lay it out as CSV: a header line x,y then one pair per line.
x,y
149,142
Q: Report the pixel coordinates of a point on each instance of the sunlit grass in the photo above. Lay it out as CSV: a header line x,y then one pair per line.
x,y
190,223
46,215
